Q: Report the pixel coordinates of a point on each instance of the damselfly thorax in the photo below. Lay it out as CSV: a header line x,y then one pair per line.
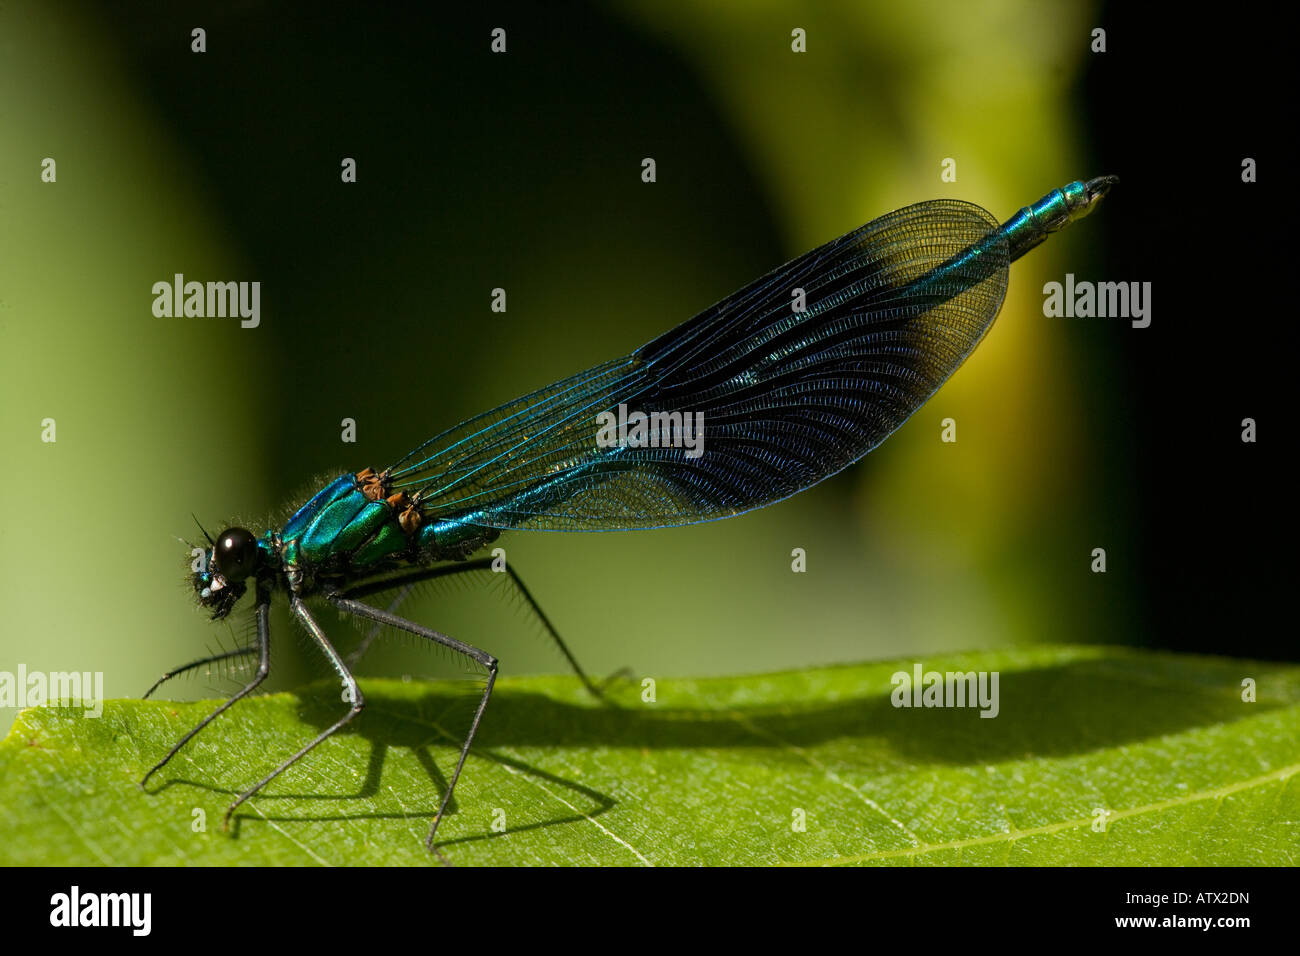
x,y
355,528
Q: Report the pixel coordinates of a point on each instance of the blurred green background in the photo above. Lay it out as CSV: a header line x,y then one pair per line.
x,y
522,171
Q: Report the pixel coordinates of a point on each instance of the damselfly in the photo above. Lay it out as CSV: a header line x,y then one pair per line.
x,y
782,384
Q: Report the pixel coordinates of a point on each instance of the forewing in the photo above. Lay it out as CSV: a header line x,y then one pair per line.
x,y
788,397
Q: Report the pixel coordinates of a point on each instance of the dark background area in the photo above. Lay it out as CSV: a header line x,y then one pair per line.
x,y
1174,111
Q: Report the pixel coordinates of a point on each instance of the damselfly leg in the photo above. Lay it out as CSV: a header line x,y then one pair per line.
x,y
360,609
405,583
192,665
351,693
347,601
263,668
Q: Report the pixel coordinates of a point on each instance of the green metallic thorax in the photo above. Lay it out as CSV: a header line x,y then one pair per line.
x,y
351,529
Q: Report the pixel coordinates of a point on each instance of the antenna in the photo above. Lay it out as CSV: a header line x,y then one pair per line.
x,y
204,530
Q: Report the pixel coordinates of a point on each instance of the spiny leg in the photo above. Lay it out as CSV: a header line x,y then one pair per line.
x,y
349,685
482,657
373,633
237,652
263,668
407,581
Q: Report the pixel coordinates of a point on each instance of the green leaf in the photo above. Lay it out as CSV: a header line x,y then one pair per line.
x,y
714,771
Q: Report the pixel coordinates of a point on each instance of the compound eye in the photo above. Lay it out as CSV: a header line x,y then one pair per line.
x,y
235,554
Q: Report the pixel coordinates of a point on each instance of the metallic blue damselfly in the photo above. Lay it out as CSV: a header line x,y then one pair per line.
x,y
773,389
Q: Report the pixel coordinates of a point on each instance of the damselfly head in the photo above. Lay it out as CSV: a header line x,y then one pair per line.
x,y
234,557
